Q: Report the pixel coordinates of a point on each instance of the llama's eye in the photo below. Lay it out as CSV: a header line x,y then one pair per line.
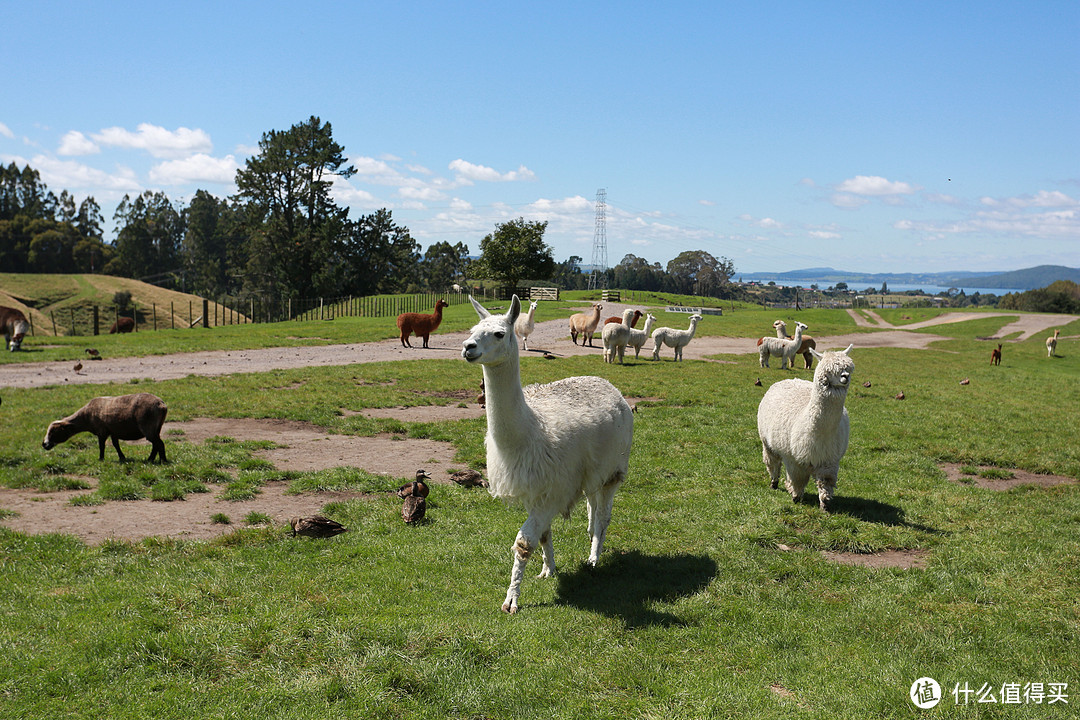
x,y
500,335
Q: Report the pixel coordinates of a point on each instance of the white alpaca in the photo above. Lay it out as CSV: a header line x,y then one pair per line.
x,y
616,336
525,325
785,348
1051,344
804,426
677,339
638,337
547,445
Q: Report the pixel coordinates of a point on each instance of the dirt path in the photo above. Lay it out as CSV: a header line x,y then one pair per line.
x,y
550,336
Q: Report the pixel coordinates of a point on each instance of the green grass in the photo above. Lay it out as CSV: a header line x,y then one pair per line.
x,y
693,612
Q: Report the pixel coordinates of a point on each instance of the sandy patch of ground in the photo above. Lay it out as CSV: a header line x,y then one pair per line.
x,y
1019,477
904,559
1027,324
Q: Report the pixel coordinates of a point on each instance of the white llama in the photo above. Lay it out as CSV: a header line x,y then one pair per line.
x,y
804,427
1051,344
546,448
638,337
673,338
525,325
616,336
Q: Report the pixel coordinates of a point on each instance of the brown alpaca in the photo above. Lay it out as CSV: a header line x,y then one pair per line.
x,y
633,321
122,325
584,324
995,355
422,325
1051,344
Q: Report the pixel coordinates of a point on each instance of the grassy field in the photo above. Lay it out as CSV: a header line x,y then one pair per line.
x,y
695,610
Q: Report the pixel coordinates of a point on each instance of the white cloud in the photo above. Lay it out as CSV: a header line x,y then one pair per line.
x,y
71,175
197,168
156,140
765,223
575,204
847,202
6,131
75,143
825,235
872,185
1043,199
469,172
706,203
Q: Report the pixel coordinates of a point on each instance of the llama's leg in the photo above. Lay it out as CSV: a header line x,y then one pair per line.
x,y
426,339
763,356
826,486
599,506
656,351
528,539
797,478
772,462
548,551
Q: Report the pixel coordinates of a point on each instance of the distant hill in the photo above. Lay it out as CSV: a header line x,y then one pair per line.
x,y
1029,278
1026,279
49,299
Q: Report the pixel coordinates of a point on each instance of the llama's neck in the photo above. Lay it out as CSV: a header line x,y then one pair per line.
x,y
825,406
797,339
509,417
693,327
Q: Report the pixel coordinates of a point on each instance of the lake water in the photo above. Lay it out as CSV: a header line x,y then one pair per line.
x,y
928,289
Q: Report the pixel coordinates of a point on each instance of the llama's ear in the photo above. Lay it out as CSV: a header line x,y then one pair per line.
x,y
848,350
480,309
515,309
815,353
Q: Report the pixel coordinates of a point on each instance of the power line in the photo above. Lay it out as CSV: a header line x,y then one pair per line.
x,y
598,276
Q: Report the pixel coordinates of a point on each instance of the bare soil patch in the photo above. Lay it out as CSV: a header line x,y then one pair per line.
x,y
904,559
1019,477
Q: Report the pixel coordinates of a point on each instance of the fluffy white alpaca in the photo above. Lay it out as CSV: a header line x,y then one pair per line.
x,y
547,445
677,339
781,346
638,337
616,336
791,347
804,426
1051,344
525,325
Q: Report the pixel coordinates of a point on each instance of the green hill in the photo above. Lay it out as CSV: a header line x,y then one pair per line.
x,y
1027,279
52,302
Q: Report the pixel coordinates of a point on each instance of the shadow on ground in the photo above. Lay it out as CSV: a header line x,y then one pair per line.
x,y
630,585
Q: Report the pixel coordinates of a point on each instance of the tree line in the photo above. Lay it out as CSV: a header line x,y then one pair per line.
x,y
283,235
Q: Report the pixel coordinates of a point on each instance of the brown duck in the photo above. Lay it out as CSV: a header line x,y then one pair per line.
x,y
414,509
468,478
415,488
316,526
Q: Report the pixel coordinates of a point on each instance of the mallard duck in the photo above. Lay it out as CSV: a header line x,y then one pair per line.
x,y
866,384
93,353
414,508
481,400
757,383
965,381
468,478
900,395
316,526
415,487
78,367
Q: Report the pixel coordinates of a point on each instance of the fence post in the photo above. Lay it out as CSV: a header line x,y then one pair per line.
x,y
205,313
155,316
172,315
51,315
96,326
74,330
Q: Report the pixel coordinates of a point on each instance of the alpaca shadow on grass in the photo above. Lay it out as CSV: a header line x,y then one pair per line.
x,y
875,512
629,586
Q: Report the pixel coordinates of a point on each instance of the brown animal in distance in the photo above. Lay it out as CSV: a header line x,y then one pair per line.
x,y
995,355
123,417
122,325
419,323
15,326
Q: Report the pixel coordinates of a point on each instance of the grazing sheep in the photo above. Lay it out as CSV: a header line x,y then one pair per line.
x,y
804,426
419,323
638,337
15,326
547,445
995,355
525,325
1051,344
124,417
677,339
633,321
584,324
808,344
616,336
122,325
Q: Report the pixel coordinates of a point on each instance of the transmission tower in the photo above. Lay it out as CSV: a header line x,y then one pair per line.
x,y
598,276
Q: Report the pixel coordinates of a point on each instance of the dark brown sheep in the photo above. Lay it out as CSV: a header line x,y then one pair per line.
x,y
14,325
422,325
122,325
123,417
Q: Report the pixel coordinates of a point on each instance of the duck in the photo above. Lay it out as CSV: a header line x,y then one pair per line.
x,y
468,478
414,509
900,395
415,488
866,384
481,399
78,367
316,526
757,383
965,381
93,353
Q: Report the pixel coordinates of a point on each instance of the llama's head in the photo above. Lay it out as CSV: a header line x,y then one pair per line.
x,y
779,324
440,303
800,325
833,373
17,334
533,305
491,341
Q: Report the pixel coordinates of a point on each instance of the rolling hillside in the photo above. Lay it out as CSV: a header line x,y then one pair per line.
x,y
57,299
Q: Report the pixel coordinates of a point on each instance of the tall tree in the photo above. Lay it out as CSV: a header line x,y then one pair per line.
x,y
445,264
293,223
515,251
379,256
214,244
149,239
697,272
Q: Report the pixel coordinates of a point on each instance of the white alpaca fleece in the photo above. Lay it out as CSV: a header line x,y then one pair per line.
x,y
638,337
616,336
791,347
804,426
677,339
547,445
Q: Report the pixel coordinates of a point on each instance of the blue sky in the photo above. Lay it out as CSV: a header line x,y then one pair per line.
x,y
865,136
